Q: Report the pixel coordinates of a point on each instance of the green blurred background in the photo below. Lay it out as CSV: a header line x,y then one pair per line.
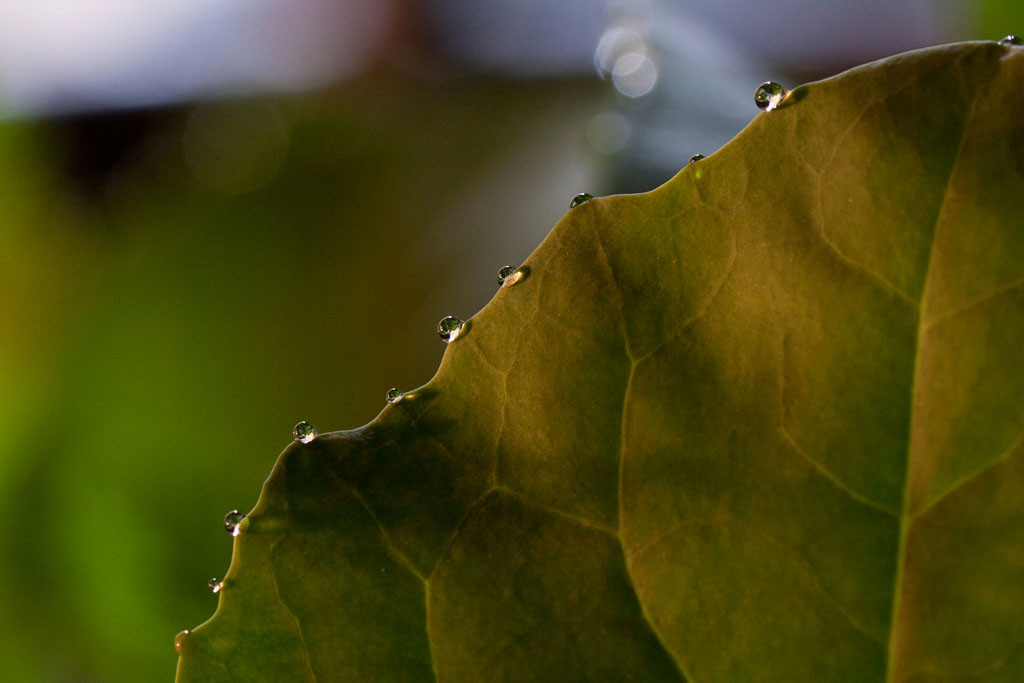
x,y
192,260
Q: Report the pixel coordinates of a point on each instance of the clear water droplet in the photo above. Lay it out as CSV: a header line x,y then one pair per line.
x,y
304,432
181,641
508,276
233,522
449,328
580,199
695,158
1011,40
768,95
393,395
215,585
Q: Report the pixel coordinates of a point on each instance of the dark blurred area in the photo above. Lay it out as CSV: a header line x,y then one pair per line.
x,y
219,218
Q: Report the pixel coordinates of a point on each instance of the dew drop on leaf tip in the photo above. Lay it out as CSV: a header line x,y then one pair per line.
x,y
1012,40
449,328
304,432
180,641
215,585
581,198
768,95
695,158
508,276
393,395
233,522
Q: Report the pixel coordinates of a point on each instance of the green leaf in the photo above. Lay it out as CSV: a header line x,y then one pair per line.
x,y
762,423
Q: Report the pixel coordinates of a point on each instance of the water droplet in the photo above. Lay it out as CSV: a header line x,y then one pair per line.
x,y
215,585
304,432
768,95
695,158
1011,40
233,522
181,641
393,395
579,199
508,276
449,328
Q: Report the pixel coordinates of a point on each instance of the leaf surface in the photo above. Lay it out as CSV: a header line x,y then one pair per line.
x,y
762,423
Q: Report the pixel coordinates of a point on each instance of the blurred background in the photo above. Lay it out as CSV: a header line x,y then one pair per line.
x,y
219,217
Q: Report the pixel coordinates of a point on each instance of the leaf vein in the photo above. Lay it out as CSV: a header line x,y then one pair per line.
x,y
815,583
621,461
711,300
617,287
443,555
901,547
974,303
386,538
582,521
875,278
967,478
288,610
831,476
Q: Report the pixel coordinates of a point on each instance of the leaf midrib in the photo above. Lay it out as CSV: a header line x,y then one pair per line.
x,y
906,519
